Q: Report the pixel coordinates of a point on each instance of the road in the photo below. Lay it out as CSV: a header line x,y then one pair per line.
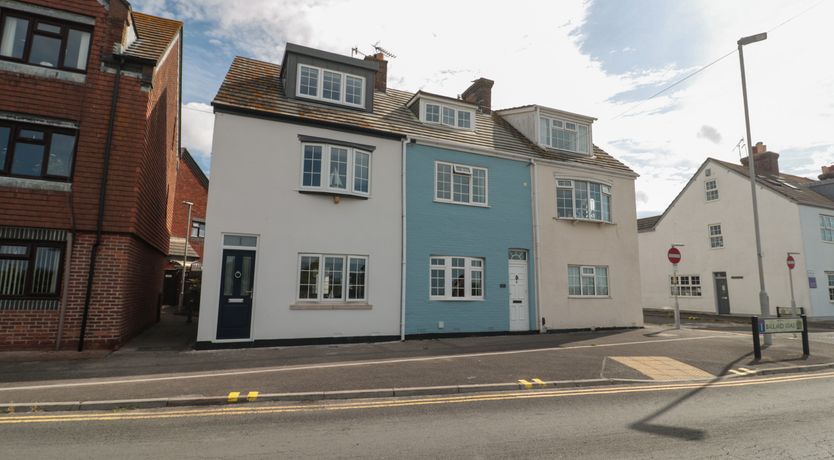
x,y
787,416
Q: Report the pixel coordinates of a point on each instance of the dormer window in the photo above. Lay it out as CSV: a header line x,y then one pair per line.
x,y
453,117
564,135
330,86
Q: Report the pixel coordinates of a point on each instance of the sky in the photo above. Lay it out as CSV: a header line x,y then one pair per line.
x,y
602,58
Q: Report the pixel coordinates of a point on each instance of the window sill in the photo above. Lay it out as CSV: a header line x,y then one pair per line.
x,y
472,205
35,184
454,299
590,297
44,72
574,221
331,306
333,193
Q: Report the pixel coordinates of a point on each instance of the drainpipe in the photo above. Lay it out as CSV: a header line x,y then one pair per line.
x,y
404,252
536,246
102,198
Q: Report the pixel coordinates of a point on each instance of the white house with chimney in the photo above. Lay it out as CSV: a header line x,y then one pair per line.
x,y
712,217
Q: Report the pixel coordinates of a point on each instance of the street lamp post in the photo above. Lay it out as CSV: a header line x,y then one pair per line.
x,y
185,256
764,300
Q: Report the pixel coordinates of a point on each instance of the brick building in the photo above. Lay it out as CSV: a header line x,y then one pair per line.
x,y
89,134
192,186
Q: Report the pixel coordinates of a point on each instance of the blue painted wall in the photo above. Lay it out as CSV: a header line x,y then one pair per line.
x,y
444,229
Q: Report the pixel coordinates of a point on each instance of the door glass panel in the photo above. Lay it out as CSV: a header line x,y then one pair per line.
x,y
14,37
28,159
237,240
60,155
246,277
228,276
518,254
45,51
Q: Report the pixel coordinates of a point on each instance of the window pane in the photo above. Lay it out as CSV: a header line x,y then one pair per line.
x,y
464,119
602,281
479,186
338,167
574,281
594,204
30,135
13,276
563,139
332,86
309,81
45,51
477,283
45,275
438,282
237,240
308,279
353,90
433,113
448,116
356,279
564,202
27,160
312,166
13,250
248,266
444,182
588,285
606,208
60,155
460,188
458,282
14,37
228,276
78,46
333,273
581,192
518,254
53,29
4,145
582,139
544,131
361,171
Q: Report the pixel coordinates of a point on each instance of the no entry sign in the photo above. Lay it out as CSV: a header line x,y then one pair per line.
x,y
791,262
674,255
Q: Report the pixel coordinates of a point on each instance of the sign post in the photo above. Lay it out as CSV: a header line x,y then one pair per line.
x,y
771,325
674,255
791,262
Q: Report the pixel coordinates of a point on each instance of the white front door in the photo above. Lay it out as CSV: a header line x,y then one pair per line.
x,y
519,310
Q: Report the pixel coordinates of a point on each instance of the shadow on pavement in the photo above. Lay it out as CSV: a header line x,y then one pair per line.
x,y
688,434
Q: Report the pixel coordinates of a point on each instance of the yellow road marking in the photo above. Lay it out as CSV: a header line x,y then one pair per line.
x,y
749,371
252,396
539,382
526,384
737,372
662,367
233,396
254,410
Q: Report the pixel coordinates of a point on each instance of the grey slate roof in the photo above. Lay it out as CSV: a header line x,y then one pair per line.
x,y
647,223
256,86
801,194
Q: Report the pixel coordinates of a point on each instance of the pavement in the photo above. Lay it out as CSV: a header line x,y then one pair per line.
x,y
160,369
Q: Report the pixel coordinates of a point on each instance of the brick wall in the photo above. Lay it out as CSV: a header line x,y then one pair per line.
x,y
189,188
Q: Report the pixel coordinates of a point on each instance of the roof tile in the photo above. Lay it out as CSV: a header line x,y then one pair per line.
x,y
154,36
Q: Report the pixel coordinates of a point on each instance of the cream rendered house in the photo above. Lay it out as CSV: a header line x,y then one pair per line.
x,y
584,224
713,218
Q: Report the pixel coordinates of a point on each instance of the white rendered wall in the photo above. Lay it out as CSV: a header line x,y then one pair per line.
x,y
567,242
687,223
818,257
255,178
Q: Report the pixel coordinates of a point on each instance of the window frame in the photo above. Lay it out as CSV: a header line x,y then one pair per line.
x,y
713,237
676,284
603,193
200,225
63,36
324,173
32,247
448,282
456,111
343,77
830,276
595,278
708,190
461,167
827,228
48,131
320,281
549,140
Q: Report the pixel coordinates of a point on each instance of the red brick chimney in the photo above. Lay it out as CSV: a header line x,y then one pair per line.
x,y
767,163
827,173
381,79
480,94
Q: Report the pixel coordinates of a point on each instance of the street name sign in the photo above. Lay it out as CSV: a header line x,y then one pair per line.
x,y
778,325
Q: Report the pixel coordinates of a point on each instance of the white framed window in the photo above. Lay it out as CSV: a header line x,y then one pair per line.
x,y
827,228
460,184
685,285
577,199
711,189
454,117
565,135
716,239
332,278
456,278
330,86
335,168
587,281
830,276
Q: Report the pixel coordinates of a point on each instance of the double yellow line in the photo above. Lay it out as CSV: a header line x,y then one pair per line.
x,y
365,404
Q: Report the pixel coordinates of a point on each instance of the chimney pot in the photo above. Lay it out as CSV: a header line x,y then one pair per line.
x,y
480,94
827,173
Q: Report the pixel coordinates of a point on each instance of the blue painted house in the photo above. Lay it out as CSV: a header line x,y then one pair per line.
x,y
469,226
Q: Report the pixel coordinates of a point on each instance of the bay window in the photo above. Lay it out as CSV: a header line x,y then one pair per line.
x,y
44,42
335,169
332,278
460,184
456,278
583,200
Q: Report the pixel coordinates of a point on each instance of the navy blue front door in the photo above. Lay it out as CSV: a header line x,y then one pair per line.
x,y
234,318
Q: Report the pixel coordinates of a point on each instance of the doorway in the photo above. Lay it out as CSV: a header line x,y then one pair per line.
x,y
234,316
519,306
722,293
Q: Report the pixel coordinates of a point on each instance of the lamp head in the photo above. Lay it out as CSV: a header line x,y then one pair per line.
x,y
752,39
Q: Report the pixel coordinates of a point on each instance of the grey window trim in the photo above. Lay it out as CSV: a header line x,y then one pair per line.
x,y
322,140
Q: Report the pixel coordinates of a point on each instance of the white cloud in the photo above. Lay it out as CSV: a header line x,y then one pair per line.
x,y
197,129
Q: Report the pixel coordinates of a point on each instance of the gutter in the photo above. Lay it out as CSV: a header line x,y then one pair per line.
x,y
404,257
102,199
537,260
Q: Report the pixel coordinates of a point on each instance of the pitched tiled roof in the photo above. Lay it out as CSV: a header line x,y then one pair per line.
x,y
795,188
154,36
647,223
256,86
176,246
195,168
